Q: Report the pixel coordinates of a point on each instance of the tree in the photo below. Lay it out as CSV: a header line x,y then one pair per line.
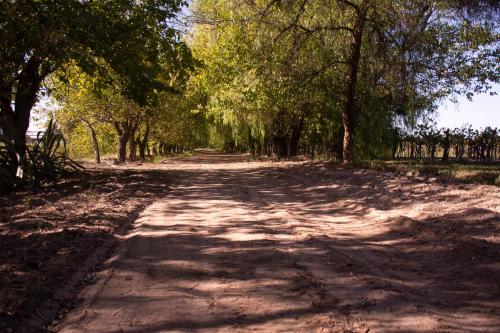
x,y
389,58
99,99
95,100
40,37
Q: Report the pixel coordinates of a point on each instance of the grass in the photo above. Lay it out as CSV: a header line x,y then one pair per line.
x,y
469,172
464,172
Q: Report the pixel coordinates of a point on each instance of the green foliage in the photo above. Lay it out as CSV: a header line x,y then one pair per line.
x,y
273,70
129,45
172,119
130,36
269,77
79,143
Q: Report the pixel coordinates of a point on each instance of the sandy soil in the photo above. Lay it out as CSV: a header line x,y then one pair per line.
x,y
52,239
241,246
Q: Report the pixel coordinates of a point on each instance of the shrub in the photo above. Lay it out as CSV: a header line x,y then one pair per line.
x,y
46,160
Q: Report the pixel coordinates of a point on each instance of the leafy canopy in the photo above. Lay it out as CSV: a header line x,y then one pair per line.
x,y
132,37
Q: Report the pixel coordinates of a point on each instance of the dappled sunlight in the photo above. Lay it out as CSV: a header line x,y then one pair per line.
x,y
271,249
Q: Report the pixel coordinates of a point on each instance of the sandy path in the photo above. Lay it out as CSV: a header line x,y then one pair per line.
x,y
296,247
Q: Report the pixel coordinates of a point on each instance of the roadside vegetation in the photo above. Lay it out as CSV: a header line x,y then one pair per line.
x,y
462,172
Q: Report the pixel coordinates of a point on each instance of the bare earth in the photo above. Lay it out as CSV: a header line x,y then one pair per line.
x,y
241,246
51,239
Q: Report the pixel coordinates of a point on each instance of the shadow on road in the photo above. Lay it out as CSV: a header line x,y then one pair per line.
x,y
304,247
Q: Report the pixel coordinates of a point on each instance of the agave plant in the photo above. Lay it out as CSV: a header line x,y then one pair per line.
x,y
48,158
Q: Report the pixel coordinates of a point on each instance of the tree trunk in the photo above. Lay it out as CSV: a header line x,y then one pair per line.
x,y
8,135
446,149
296,128
293,145
280,146
123,130
122,148
144,143
350,112
132,150
133,141
432,151
14,123
21,124
95,143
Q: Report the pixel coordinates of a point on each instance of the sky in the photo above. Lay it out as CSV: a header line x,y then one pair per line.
x,y
482,111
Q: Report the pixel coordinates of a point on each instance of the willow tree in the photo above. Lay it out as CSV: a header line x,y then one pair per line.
x,y
403,56
417,51
227,79
255,89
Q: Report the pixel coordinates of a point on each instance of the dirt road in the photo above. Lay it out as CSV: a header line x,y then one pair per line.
x,y
243,246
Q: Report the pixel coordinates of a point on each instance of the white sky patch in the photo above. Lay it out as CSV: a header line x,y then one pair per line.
x,y
482,111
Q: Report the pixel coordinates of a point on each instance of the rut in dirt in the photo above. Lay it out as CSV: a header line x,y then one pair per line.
x,y
241,246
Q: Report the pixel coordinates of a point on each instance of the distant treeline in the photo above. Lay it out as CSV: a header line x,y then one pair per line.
x,y
459,144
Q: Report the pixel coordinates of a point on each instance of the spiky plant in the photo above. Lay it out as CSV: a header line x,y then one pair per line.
x,y
46,160
47,157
